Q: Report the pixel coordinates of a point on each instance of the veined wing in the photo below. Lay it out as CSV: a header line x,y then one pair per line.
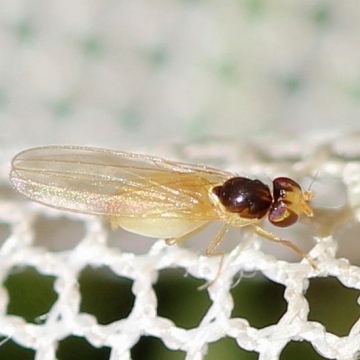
x,y
110,183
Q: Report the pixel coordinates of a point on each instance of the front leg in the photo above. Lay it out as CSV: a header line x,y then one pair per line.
x,y
270,236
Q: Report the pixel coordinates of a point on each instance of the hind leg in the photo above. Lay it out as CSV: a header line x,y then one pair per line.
x,y
181,239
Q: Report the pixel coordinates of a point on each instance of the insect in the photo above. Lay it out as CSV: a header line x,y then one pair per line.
x,y
156,197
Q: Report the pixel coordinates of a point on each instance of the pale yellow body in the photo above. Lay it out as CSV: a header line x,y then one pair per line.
x,y
188,204
159,228
178,222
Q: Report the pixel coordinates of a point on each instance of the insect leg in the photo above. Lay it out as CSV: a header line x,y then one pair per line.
x,y
210,249
270,236
179,240
210,252
216,241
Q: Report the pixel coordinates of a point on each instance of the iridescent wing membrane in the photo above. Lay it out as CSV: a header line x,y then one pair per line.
x,y
115,184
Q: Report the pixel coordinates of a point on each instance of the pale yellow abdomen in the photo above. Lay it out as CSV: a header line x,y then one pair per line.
x,y
161,228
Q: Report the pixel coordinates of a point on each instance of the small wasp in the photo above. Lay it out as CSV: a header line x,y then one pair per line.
x,y
155,197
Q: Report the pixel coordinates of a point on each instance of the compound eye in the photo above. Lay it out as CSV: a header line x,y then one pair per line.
x,y
285,209
281,215
251,199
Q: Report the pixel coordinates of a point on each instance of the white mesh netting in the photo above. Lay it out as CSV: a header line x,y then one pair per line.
x,y
335,161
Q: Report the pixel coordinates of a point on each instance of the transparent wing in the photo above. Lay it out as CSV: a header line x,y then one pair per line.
x,y
111,183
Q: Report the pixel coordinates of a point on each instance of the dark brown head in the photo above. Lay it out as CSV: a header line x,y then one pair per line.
x,y
287,202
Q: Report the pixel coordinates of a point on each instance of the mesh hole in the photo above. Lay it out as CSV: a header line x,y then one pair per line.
x,y
31,294
58,234
151,348
10,350
8,193
332,304
5,231
295,350
228,349
259,300
347,238
75,348
129,242
105,295
179,298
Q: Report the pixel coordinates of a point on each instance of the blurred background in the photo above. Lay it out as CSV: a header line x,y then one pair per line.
x,y
130,72
135,74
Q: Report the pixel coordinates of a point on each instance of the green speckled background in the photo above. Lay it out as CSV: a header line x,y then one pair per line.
x,y
130,73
